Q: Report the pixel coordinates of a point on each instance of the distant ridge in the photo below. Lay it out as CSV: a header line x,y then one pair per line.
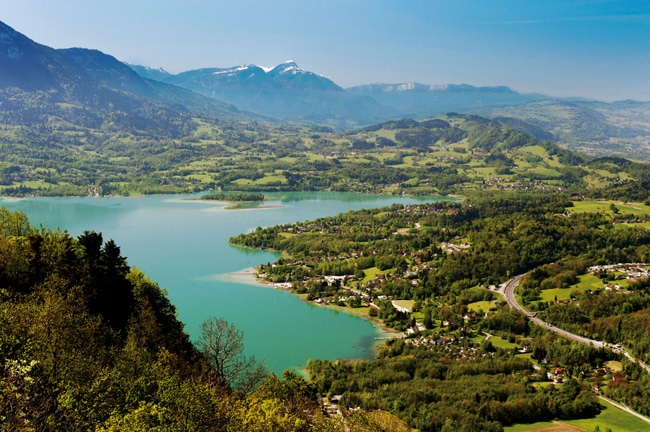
x,y
288,92
285,91
414,87
417,100
41,86
596,128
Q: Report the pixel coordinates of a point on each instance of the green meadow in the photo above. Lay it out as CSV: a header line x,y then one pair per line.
x,y
610,417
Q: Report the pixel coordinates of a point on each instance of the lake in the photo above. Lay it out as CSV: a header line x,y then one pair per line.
x,y
183,245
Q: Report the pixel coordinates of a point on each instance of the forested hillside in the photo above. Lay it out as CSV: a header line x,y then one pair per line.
x,y
595,128
453,154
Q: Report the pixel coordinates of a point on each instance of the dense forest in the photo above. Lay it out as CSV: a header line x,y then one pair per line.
x,y
446,387
442,257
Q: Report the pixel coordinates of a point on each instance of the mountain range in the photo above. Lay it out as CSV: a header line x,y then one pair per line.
x,y
284,92
421,100
85,87
88,80
39,84
596,128
291,93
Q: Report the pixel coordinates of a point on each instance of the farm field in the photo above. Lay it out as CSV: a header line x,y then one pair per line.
x,y
586,282
590,206
610,417
483,305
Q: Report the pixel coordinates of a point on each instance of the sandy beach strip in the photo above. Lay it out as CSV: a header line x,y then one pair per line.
x,y
246,276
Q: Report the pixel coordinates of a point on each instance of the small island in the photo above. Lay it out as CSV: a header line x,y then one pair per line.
x,y
238,200
234,197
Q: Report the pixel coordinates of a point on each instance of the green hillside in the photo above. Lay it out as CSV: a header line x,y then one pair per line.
x,y
595,128
453,154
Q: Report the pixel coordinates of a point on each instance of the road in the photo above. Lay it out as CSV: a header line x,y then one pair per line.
x,y
507,290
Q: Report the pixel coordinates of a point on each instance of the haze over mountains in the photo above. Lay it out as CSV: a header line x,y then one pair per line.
x,y
590,127
291,93
88,87
284,92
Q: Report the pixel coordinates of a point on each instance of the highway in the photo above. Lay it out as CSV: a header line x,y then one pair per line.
x,y
507,290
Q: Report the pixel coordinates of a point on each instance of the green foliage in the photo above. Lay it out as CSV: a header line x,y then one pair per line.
x,y
233,197
509,320
527,233
439,254
432,389
182,152
87,343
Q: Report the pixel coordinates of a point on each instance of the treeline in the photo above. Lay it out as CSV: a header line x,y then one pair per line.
x,y
233,197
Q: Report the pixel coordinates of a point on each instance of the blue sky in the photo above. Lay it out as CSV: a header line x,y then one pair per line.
x,y
587,48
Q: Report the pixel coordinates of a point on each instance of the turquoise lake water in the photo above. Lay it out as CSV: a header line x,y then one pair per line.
x,y
183,246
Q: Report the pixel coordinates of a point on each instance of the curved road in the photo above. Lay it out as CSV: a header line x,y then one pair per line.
x,y
507,290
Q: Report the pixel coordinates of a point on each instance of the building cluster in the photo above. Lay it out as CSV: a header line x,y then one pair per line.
x,y
507,184
630,271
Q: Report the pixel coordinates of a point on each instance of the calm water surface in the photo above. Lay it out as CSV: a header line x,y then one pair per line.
x,y
183,245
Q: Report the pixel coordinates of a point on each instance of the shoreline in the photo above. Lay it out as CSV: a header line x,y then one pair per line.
x,y
248,276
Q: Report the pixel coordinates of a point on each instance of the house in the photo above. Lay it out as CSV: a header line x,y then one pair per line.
x,y
469,317
618,378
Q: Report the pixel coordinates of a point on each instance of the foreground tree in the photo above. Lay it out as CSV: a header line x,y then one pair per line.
x,y
222,345
89,344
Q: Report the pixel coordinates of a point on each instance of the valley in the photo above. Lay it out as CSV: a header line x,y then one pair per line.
x,y
401,207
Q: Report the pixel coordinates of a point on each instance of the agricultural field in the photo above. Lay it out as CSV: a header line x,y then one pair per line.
x,y
610,207
496,341
453,154
587,282
407,304
610,417
483,305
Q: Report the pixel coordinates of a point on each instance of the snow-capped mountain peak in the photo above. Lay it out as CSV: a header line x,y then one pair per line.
x,y
230,71
288,67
